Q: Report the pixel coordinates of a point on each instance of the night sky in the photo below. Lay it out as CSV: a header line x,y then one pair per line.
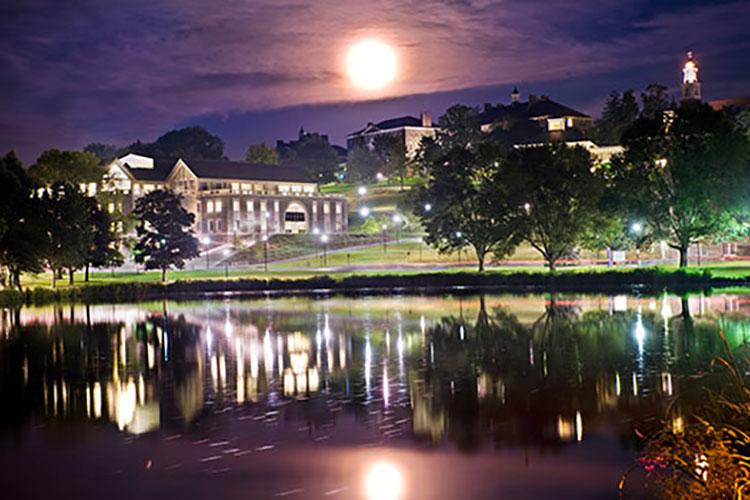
x,y
80,71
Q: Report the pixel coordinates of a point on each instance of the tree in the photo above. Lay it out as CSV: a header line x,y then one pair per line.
x,y
194,143
58,167
165,238
313,152
687,177
561,197
465,201
620,111
392,153
362,164
262,153
105,152
654,100
22,232
69,233
103,251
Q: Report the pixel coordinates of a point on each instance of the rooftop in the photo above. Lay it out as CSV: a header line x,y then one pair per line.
x,y
223,169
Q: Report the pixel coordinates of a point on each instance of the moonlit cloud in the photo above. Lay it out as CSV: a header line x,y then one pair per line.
x,y
104,70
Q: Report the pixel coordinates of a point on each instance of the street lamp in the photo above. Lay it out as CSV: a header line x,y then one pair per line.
x,y
361,190
364,212
324,239
427,207
397,220
226,262
459,235
206,242
637,228
385,241
265,253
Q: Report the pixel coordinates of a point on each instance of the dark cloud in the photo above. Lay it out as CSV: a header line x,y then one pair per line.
x,y
105,70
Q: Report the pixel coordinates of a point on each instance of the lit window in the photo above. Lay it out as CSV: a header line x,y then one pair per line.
x,y
235,205
210,206
309,189
217,206
296,189
284,188
235,187
111,207
555,124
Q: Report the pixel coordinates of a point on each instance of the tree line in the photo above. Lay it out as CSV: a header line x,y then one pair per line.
x,y
683,178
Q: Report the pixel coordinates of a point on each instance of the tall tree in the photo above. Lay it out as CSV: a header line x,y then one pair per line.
x,y
561,197
262,153
465,202
195,143
68,229
22,224
165,237
313,152
362,164
57,167
654,100
620,111
103,251
688,177
392,153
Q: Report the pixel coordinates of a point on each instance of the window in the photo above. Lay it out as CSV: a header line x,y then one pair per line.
x,y
219,225
210,226
294,217
326,208
235,187
309,189
217,206
249,205
246,188
236,205
284,188
236,225
111,207
296,189
210,207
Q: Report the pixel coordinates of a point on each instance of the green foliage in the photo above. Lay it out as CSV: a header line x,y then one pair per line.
x,y
620,111
392,153
68,230
194,143
262,153
362,164
688,177
469,201
22,223
313,152
57,167
561,197
103,251
655,100
165,238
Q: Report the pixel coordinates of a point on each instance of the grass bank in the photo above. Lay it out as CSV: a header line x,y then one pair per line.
x,y
645,281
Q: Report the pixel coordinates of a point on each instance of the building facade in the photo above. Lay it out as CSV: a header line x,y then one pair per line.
x,y
408,129
231,199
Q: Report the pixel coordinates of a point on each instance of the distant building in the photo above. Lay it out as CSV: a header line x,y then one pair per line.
x,y
229,198
408,129
691,86
540,120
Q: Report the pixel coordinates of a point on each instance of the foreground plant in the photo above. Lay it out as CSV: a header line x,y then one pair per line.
x,y
710,457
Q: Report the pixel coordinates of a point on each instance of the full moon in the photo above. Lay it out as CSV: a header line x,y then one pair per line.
x,y
371,64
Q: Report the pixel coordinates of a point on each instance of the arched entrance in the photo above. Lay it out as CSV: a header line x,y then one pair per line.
x,y
295,218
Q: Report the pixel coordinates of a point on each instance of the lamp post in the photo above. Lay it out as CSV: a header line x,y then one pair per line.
x,y
265,253
226,262
459,235
397,220
637,228
324,239
385,241
206,242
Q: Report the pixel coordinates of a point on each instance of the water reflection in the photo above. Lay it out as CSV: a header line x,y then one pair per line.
x,y
498,370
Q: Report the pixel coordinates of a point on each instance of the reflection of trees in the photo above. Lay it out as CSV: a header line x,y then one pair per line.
x,y
551,380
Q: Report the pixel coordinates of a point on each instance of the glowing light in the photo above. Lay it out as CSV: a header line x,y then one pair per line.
x,y
364,212
383,482
371,64
361,190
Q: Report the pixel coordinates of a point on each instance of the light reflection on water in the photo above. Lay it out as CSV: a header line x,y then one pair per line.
x,y
469,373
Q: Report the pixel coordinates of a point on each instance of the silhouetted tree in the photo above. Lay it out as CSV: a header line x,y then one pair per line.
x,y
655,100
165,237
194,143
262,153
58,167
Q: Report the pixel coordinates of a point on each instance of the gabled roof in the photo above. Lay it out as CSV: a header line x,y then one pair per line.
x,y
240,170
401,121
540,108
162,168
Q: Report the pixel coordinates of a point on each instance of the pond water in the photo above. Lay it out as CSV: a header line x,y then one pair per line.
x,y
498,396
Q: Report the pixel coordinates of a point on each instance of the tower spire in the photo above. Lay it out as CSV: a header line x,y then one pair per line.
x,y
691,86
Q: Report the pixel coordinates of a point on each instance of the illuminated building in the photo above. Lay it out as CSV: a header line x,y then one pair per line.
x,y
691,86
231,198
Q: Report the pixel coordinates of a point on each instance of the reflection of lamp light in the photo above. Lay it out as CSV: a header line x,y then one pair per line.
x,y
383,482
